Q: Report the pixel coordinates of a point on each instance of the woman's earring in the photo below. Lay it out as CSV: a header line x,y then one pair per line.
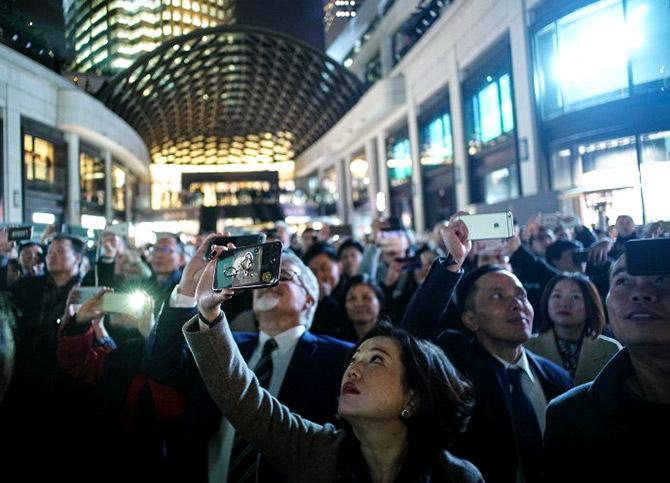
x,y
405,414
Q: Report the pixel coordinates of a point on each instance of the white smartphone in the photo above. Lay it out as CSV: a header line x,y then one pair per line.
x,y
86,293
489,226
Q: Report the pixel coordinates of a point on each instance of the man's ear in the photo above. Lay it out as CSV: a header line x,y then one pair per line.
x,y
469,320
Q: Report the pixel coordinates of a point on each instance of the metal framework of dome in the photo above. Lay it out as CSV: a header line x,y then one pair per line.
x,y
197,98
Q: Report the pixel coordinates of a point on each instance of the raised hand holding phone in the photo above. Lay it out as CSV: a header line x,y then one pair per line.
x,y
209,300
456,238
196,265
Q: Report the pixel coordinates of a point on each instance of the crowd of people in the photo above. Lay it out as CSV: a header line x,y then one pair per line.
x,y
393,357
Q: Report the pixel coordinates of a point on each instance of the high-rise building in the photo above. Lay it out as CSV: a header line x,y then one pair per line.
x,y
106,36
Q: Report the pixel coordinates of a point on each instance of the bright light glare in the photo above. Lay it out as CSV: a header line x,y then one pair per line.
x,y
93,222
137,300
381,202
598,45
45,218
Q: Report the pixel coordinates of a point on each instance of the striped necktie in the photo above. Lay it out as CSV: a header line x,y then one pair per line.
x,y
244,457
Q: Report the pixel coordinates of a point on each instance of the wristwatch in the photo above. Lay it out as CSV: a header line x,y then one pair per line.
x,y
449,261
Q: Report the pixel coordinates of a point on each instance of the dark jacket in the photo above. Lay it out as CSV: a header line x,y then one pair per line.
x,y
489,441
310,387
301,449
602,431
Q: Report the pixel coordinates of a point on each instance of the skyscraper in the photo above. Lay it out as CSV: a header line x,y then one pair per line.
x,y
106,36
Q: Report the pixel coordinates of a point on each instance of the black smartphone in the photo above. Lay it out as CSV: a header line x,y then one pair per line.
x,y
19,233
410,263
580,256
238,240
249,267
650,256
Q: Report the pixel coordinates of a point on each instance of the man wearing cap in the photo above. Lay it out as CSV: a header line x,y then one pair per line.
x,y
615,428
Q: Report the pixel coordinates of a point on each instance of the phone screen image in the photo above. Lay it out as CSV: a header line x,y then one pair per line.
x,y
249,267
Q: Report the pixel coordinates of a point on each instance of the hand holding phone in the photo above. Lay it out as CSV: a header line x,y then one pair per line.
x,y
488,226
248,267
19,233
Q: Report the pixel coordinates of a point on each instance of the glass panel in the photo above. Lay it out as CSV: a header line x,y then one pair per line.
x,y
489,112
399,163
592,54
649,31
655,173
360,180
546,86
436,142
561,169
91,180
28,156
43,157
118,188
506,107
499,185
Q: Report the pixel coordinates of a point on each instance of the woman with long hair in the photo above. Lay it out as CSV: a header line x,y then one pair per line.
x,y
572,319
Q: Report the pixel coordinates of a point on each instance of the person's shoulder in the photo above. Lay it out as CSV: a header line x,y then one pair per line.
x,y
551,369
327,341
570,403
28,283
608,342
458,469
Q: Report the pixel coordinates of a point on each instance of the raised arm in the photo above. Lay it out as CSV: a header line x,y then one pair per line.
x,y
424,313
285,439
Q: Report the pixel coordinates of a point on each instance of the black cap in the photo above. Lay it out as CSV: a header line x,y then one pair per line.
x,y
349,243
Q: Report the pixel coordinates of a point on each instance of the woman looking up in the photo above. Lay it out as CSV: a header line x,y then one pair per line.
x,y
571,321
401,403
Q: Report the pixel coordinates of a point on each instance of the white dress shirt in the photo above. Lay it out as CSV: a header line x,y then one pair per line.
x,y
531,387
221,443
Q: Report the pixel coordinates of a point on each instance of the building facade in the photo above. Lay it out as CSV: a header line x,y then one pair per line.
x,y
64,157
490,105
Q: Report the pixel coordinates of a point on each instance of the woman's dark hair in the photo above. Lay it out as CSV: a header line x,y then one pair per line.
x,y
595,313
444,399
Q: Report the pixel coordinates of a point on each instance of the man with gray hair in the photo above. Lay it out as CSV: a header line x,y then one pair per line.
x,y
301,369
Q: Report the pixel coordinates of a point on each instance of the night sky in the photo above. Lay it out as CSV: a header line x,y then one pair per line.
x,y
47,17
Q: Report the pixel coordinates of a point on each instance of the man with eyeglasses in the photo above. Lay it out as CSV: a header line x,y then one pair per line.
x,y
167,260
305,369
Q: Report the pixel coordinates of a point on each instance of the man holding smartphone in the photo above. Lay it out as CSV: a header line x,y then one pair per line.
x,y
305,369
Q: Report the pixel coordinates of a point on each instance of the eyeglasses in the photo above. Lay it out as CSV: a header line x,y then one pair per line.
x,y
163,250
287,275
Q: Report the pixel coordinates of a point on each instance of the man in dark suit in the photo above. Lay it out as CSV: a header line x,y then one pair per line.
x,y
306,369
614,428
512,385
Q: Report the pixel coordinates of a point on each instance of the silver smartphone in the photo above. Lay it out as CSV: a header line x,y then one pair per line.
x,y
489,226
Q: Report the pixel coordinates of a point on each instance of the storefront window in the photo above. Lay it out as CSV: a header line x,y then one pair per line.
x,y
500,185
38,158
360,180
492,110
649,26
118,188
92,183
655,173
399,162
437,145
603,175
585,58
